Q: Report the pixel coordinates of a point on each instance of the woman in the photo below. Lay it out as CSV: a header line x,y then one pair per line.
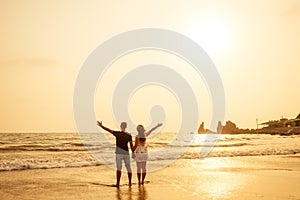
x,y
141,152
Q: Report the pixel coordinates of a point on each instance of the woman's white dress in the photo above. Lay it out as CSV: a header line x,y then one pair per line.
x,y
141,152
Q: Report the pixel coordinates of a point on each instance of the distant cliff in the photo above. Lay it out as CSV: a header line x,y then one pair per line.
x,y
275,127
229,128
201,128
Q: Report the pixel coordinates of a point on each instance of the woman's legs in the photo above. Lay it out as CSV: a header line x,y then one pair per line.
x,y
143,166
139,169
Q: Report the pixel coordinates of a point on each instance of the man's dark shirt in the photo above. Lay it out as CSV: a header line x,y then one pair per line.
x,y
122,139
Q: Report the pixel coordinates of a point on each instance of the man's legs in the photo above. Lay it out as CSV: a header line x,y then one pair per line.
x,y
127,164
119,173
119,169
129,177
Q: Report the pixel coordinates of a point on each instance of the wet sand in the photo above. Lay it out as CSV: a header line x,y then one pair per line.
x,y
261,177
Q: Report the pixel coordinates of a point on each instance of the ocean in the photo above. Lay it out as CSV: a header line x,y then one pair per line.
x,y
22,151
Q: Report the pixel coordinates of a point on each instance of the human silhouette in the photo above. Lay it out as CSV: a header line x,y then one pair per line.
x,y
122,140
141,152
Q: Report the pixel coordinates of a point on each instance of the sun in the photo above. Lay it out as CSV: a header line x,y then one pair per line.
x,y
211,33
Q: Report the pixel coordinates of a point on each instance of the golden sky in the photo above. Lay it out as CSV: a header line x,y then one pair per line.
x,y
255,46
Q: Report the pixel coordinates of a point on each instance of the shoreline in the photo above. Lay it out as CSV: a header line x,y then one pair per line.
x,y
183,159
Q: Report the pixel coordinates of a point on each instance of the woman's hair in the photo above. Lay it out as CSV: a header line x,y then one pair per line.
x,y
141,133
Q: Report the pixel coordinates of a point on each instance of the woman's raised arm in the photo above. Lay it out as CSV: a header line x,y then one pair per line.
x,y
150,131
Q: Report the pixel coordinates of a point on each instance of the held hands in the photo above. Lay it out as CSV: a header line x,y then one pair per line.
x,y
133,155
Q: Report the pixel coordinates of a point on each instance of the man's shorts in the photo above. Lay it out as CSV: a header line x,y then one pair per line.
x,y
119,158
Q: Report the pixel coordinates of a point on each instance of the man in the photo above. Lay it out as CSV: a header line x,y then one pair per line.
x,y
122,139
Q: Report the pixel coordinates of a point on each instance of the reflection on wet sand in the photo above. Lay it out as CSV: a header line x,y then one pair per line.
x,y
132,193
220,181
142,193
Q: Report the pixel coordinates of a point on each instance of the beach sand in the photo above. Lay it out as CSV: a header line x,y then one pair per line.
x,y
256,177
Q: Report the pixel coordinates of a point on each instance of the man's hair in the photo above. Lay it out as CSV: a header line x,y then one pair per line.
x,y
123,125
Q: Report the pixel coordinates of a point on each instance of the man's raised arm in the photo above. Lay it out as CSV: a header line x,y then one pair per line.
x,y
103,127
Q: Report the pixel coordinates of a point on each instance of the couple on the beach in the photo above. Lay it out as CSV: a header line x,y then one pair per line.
x,y
139,150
